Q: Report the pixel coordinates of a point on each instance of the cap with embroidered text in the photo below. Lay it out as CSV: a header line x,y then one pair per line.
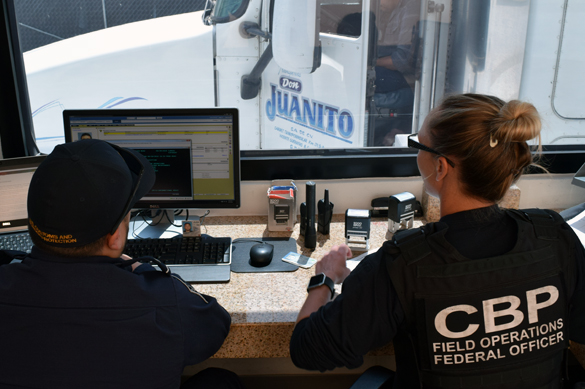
x,y
83,190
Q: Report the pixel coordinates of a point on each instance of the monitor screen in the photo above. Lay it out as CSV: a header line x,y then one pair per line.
x,y
15,176
195,152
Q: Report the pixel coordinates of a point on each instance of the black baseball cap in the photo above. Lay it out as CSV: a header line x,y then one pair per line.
x,y
83,190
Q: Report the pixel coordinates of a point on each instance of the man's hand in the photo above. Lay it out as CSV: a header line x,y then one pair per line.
x,y
333,264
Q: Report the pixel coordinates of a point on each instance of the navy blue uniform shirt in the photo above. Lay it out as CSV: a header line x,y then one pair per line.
x,y
92,323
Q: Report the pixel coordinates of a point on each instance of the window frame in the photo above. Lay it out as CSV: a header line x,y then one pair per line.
x,y
327,164
15,111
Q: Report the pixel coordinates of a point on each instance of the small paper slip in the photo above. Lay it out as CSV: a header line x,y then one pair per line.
x,y
352,263
299,260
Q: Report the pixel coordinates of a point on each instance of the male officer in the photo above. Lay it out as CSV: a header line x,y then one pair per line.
x,y
74,313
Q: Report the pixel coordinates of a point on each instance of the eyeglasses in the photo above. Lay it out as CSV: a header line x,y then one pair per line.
x,y
416,145
135,167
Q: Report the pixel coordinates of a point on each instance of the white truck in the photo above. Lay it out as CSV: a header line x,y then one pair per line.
x,y
301,81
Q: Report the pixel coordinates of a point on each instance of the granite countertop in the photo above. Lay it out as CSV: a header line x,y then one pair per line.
x,y
264,306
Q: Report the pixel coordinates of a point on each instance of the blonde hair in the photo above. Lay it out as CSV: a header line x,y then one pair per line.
x,y
488,138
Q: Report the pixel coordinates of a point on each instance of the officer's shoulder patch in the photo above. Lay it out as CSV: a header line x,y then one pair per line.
x,y
543,215
390,247
412,244
404,236
189,287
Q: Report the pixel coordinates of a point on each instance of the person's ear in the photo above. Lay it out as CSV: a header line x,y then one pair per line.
x,y
442,168
116,241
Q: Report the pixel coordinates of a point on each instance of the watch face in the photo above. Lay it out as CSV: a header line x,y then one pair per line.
x,y
317,280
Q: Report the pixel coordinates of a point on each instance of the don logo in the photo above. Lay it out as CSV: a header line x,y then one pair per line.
x,y
291,84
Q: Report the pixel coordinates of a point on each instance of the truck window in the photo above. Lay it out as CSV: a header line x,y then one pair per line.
x,y
228,10
341,17
395,60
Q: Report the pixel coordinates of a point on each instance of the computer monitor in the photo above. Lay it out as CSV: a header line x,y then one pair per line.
x,y
15,176
195,152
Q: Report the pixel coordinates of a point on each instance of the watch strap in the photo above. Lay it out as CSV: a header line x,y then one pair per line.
x,y
325,281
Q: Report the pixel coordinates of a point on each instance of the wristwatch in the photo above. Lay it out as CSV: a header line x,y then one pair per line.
x,y
321,279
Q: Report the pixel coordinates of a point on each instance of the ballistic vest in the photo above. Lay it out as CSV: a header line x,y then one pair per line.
x,y
498,322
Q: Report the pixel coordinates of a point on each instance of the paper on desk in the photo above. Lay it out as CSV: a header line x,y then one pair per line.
x,y
578,225
352,263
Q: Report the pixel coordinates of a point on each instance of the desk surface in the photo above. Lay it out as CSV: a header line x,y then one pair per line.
x,y
264,306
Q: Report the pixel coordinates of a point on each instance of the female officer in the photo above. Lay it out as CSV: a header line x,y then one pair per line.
x,y
483,298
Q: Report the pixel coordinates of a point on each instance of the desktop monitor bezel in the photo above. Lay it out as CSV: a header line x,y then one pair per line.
x,y
10,165
174,204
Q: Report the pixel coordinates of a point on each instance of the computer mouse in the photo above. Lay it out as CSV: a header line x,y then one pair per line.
x,y
261,254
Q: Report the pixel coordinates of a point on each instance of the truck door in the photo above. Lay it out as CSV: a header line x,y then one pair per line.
x,y
235,55
325,108
358,90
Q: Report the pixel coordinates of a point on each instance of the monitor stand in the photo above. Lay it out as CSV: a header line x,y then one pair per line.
x,y
161,221
163,217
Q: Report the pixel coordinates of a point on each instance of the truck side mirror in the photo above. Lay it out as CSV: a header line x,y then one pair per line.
x,y
295,35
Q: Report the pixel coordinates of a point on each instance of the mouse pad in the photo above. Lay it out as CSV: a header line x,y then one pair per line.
x,y
241,255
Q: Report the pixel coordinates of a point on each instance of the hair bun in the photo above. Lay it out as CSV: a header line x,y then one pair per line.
x,y
517,121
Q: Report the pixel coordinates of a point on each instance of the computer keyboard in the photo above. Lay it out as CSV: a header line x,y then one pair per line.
x,y
18,241
182,251
195,259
